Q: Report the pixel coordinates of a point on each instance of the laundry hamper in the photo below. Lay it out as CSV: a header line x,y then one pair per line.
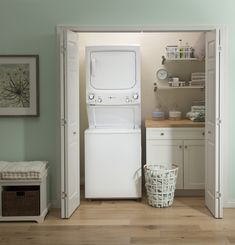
x,y
160,183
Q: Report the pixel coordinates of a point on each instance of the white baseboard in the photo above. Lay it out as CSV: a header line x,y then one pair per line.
x,y
229,204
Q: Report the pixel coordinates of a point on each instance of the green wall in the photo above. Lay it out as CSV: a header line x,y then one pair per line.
x,y
28,27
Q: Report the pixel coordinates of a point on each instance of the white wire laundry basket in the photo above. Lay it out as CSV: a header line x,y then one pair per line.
x,y
160,183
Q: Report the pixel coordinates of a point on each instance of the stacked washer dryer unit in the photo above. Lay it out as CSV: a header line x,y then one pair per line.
x,y
113,139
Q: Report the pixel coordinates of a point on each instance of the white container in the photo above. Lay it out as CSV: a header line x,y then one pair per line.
x,y
158,115
175,79
175,115
171,51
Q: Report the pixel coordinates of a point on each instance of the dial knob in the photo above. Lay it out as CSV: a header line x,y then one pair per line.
x,y
91,96
135,96
99,100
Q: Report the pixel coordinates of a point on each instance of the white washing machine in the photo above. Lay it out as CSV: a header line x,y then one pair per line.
x,y
113,139
112,167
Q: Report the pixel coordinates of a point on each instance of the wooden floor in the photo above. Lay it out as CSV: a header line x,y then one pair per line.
x,y
126,222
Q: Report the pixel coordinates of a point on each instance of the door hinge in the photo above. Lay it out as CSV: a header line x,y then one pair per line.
x,y
63,195
63,49
218,195
63,122
220,48
218,121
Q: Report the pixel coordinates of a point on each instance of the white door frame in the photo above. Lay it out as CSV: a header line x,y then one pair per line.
x,y
223,76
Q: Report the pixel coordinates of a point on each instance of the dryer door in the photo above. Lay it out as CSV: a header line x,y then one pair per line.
x,y
112,69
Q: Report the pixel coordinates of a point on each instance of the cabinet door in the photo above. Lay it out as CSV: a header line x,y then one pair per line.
x,y
194,164
166,152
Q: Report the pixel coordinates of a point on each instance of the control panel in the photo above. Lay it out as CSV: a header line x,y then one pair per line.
x,y
113,99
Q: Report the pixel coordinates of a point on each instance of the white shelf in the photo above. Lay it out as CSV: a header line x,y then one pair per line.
x,y
183,87
182,59
164,59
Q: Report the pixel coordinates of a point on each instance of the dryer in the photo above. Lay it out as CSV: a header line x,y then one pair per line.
x,y
113,139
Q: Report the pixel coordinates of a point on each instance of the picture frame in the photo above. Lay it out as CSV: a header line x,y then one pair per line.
x,y
19,85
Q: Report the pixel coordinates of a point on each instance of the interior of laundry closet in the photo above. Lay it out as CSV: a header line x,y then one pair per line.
x,y
156,94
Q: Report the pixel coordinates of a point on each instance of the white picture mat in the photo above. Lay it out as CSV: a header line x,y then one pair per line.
x,y
32,109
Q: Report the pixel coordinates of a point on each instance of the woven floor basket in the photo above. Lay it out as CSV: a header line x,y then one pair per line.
x,y
160,184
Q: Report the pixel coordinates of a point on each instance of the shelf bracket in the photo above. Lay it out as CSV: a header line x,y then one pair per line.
x,y
155,87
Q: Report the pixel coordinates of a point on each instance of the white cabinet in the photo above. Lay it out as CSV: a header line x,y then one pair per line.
x,y
183,147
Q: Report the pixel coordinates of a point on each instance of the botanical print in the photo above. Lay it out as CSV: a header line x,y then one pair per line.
x,y
14,85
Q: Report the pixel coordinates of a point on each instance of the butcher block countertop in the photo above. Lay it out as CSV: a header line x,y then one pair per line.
x,y
173,123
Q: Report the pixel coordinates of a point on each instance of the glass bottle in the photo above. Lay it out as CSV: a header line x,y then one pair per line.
x,y
181,49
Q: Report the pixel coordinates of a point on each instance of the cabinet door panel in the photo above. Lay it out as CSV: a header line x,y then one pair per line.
x,y
194,164
166,152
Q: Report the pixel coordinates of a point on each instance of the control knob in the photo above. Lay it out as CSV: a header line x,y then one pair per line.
x,y
127,100
91,96
135,96
99,100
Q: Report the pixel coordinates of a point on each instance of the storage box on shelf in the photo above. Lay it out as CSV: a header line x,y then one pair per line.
x,y
24,199
179,52
21,201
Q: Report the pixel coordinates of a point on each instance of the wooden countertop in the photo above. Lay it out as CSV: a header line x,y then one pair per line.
x,y
173,123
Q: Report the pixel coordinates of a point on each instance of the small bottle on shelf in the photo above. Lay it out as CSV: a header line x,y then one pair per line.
x,y
181,49
187,51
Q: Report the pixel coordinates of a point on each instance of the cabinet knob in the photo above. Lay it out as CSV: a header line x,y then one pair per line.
x,y
185,146
209,132
162,133
203,133
180,146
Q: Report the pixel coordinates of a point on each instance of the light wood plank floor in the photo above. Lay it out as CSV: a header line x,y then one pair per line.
x,y
126,222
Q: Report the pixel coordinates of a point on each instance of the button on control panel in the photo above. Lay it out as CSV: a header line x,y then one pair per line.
x,y
128,100
91,96
135,96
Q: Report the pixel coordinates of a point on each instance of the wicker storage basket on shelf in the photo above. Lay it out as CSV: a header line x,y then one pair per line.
x,y
160,183
21,201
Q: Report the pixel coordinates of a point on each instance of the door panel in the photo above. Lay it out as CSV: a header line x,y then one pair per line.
x,y
166,152
212,132
71,171
194,164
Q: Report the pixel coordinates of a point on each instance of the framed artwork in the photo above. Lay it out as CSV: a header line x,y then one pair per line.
x,y
19,91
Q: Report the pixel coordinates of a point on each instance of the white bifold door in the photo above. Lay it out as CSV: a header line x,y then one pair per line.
x,y
213,171
70,155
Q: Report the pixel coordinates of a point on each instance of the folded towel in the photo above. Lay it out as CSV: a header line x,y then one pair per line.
x,y
23,170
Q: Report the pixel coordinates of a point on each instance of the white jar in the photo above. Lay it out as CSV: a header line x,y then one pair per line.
x,y
175,115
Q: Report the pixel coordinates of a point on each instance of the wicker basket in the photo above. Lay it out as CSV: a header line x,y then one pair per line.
x,y
160,184
21,201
